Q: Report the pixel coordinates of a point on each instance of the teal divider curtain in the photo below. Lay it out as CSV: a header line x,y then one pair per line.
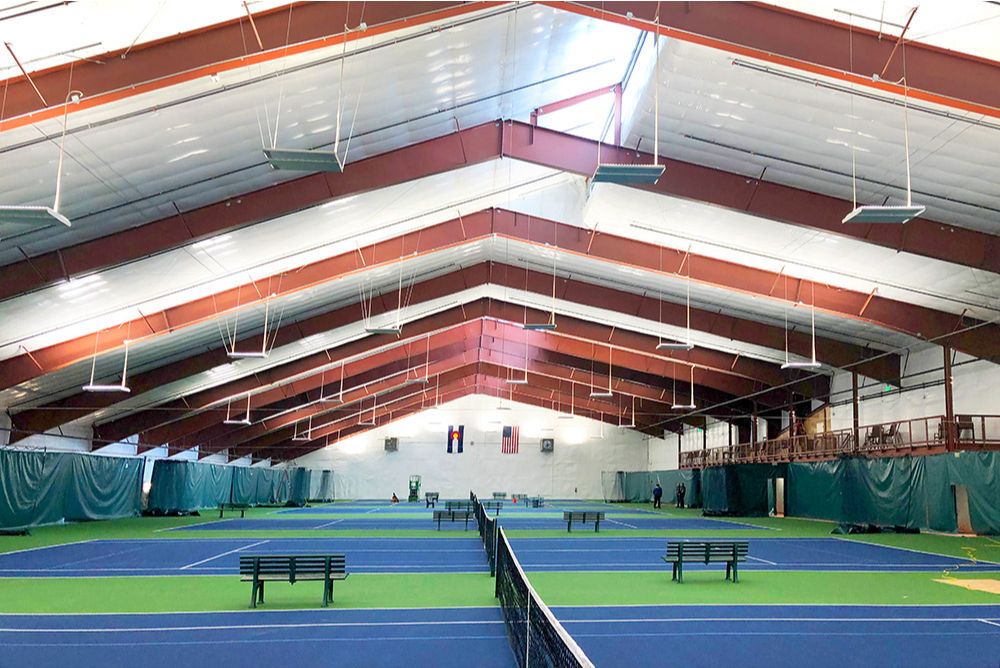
x,y
255,486
47,487
638,486
182,486
913,492
300,484
738,489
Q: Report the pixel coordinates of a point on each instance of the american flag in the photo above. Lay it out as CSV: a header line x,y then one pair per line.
x,y
508,444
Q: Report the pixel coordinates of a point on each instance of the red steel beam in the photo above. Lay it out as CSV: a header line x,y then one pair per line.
x,y
494,347
150,66
541,146
815,45
914,320
885,368
713,370
540,389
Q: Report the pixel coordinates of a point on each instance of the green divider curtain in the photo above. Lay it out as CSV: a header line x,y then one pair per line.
x,y
738,489
182,486
299,486
638,486
912,492
47,487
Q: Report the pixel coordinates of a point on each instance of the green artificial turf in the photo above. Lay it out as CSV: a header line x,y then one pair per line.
x,y
755,588
222,592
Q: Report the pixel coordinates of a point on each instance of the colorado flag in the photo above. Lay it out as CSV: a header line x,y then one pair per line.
x,y
455,438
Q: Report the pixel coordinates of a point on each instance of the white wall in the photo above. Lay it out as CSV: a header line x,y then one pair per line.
x,y
363,469
976,391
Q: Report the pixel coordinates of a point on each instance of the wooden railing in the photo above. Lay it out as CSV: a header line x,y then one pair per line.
x,y
915,436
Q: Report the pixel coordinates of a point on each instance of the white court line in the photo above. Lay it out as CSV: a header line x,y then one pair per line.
x,y
752,620
630,526
218,556
861,541
327,524
255,627
986,621
772,563
48,547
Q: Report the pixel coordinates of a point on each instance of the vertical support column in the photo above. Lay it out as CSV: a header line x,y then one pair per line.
x,y
618,114
704,440
753,424
949,402
854,410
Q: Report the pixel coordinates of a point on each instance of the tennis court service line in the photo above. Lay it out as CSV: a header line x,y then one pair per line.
x,y
765,561
990,622
224,554
626,524
255,627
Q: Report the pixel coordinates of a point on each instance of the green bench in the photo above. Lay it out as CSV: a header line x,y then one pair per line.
x,y
582,517
494,505
459,505
500,496
242,507
432,498
729,552
453,516
261,568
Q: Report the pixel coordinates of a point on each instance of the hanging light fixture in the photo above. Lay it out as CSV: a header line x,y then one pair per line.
x,y
594,393
690,405
572,402
40,216
631,425
374,405
812,363
331,399
395,329
679,345
98,387
307,436
310,160
874,214
638,174
245,420
550,324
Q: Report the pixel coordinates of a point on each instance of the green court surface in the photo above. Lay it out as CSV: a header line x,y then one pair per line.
x,y
758,588
216,593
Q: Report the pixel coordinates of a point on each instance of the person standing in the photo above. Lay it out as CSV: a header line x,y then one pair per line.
x,y
657,495
681,491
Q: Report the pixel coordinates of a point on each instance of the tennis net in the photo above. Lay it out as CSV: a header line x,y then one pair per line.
x,y
536,636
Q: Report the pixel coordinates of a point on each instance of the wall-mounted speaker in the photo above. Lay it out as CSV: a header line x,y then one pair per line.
x,y
391,444
548,444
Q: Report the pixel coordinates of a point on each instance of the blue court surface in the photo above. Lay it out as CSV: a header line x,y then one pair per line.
x,y
770,636
388,522
219,556
446,637
804,554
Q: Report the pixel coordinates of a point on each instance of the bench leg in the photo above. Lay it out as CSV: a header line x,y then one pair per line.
x,y
569,523
729,568
680,571
243,513
439,524
261,598
253,595
327,592
674,569
597,525
736,576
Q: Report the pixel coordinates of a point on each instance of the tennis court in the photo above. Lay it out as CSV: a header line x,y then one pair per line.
x,y
391,638
820,636
218,556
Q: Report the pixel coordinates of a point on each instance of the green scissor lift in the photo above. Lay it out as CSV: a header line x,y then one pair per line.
x,y
414,488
